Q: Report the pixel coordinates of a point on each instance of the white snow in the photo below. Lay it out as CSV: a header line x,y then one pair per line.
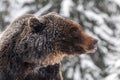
x,y
24,1
87,62
80,8
116,1
117,64
14,14
66,7
17,9
93,16
102,32
44,9
88,77
70,73
113,76
77,73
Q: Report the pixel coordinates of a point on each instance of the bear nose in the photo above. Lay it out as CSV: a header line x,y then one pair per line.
x,y
95,42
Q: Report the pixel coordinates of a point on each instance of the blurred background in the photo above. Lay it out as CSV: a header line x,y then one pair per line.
x,y
99,18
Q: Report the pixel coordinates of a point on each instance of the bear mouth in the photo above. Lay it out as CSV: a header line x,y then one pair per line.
x,y
92,50
85,50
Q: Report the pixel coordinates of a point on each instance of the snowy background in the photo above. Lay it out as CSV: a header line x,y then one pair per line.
x,y
99,18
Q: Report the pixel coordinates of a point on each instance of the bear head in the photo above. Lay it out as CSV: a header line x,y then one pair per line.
x,y
47,39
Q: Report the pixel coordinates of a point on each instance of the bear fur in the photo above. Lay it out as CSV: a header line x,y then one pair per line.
x,y
31,48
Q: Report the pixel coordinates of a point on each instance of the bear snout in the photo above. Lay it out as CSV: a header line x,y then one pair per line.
x,y
93,46
95,43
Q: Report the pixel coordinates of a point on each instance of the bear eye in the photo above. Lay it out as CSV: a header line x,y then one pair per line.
x,y
73,29
75,34
76,39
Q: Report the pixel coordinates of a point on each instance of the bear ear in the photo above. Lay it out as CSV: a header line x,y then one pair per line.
x,y
35,25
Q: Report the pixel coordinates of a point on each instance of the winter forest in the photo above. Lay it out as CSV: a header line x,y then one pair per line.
x,y
99,18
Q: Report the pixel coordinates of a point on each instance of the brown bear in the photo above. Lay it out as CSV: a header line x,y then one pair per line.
x,y
31,48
